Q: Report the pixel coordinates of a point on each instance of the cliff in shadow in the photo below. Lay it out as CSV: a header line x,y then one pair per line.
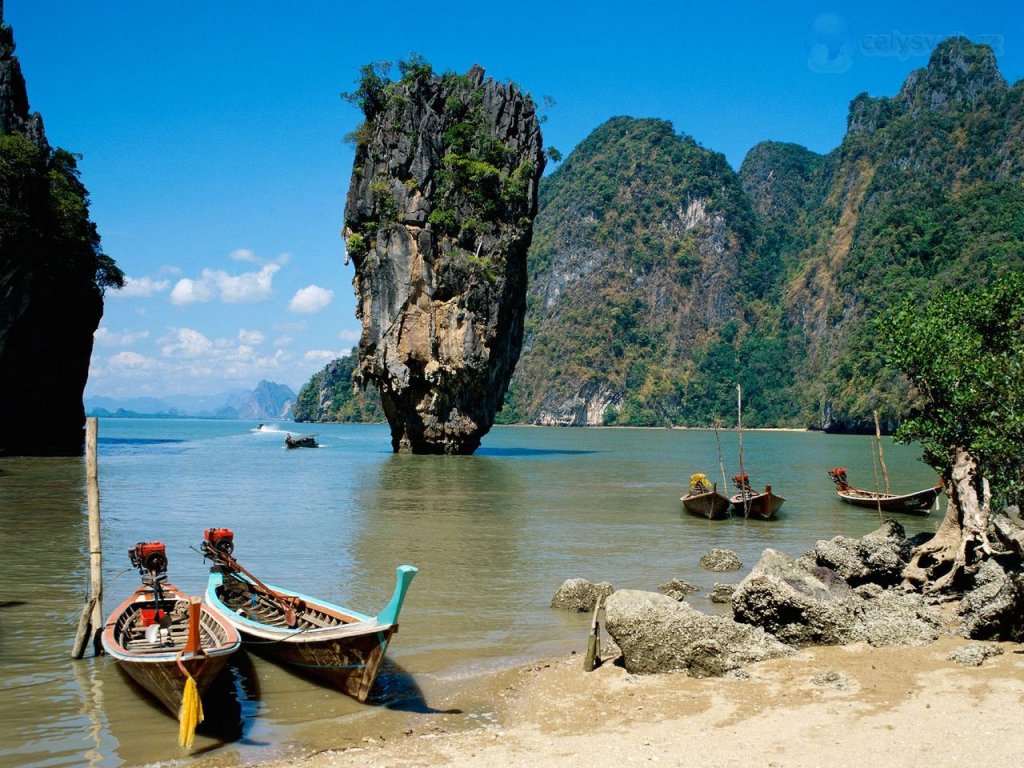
x,y
52,277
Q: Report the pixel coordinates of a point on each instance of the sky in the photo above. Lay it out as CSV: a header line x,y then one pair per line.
x,y
212,134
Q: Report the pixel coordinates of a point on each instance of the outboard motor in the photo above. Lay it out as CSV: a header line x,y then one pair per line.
x,y
150,557
218,543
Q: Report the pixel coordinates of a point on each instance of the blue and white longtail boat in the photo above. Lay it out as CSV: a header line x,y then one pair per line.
x,y
333,644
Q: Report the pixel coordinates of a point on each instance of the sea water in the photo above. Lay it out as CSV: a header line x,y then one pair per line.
x,y
493,534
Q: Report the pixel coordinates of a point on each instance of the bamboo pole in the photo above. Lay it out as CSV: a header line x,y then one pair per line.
x,y
881,454
718,442
94,606
739,431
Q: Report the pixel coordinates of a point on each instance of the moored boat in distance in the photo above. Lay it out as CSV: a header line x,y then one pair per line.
x,y
750,503
916,503
333,644
168,642
300,441
703,499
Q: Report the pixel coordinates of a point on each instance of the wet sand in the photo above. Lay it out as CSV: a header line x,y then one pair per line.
x,y
836,706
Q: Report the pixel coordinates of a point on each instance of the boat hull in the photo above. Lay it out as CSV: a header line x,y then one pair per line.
x,y
919,503
759,505
155,668
346,654
711,505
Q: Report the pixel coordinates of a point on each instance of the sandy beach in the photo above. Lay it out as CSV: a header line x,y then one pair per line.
x,y
826,706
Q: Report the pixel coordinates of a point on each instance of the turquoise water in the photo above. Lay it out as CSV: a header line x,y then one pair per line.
x,y
493,534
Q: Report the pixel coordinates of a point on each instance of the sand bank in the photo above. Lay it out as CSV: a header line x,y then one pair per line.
x,y
827,706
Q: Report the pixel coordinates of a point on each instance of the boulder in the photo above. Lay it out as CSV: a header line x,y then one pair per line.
x,y
677,589
721,560
580,595
994,608
806,604
877,558
802,606
657,634
975,655
721,593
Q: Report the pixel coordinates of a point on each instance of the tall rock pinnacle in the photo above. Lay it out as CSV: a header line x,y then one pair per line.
x,y
52,277
438,220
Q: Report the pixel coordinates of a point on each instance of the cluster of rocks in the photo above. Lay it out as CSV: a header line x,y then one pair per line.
x,y
843,591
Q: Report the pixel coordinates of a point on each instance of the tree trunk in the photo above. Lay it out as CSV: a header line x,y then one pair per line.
x,y
962,540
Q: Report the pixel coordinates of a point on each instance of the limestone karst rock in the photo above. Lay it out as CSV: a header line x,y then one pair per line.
x,y
52,275
438,221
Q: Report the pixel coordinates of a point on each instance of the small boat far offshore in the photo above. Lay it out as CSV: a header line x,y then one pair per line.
x,y
333,644
300,441
916,503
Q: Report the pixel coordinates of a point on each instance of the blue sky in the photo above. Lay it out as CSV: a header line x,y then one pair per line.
x,y
212,134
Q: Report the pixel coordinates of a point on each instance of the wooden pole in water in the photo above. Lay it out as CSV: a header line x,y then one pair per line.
x,y
739,432
94,606
881,455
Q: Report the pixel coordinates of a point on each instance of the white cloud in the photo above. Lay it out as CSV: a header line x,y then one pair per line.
x,y
252,338
188,291
140,287
131,361
248,287
310,300
348,335
244,254
323,356
185,342
104,337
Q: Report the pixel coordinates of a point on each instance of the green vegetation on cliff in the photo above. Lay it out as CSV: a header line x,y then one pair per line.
x,y
44,216
332,396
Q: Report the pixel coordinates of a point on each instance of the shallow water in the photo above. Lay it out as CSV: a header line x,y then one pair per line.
x,y
493,534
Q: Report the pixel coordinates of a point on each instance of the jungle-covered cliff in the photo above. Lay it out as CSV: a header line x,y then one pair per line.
x,y
52,277
659,277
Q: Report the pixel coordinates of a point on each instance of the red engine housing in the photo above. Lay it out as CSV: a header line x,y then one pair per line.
x,y
220,539
150,556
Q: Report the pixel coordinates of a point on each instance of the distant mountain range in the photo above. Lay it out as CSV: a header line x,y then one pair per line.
x,y
267,401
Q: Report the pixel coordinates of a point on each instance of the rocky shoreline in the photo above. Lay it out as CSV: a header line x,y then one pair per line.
x,y
853,670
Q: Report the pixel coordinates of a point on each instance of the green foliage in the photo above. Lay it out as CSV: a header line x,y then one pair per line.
x,y
44,216
965,355
356,245
370,94
331,395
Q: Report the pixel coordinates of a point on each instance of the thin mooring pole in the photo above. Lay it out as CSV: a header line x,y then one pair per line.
x,y
92,627
881,455
739,433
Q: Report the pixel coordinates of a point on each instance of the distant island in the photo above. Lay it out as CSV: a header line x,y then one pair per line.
x,y
267,401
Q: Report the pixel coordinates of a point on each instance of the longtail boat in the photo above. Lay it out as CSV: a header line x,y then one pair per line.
x,y
168,642
751,503
703,499
300,441
336,645
916,503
